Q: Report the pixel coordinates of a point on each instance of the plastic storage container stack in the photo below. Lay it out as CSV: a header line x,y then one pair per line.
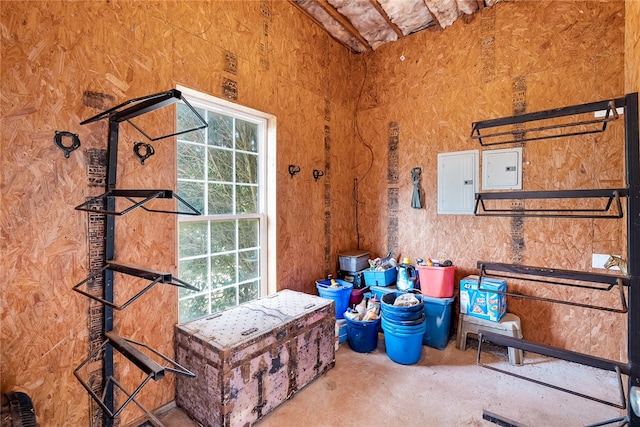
x,y
404,327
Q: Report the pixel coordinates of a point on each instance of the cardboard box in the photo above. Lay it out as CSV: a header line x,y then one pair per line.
x,y
483,304
251,358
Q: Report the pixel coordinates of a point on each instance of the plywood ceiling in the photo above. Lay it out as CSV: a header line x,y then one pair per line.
x,y
364,25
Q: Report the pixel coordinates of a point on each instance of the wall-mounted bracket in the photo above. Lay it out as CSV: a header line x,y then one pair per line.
x,y
133,351
60,136
155,277
558,353
611,197
131,195
293,170
133,108
575,279
550,124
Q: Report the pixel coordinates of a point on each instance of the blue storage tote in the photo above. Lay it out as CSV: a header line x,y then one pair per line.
x,y
380,278
438,320
340,294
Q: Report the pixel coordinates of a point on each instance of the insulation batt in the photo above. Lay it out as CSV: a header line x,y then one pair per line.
x,y
332,26
367,21
409,15
445,11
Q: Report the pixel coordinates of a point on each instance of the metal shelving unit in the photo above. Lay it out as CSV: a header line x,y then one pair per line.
x,y
139,354
557,123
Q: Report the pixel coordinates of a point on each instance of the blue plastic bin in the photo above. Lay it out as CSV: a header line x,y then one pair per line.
x,y
340,295
438,320
362,335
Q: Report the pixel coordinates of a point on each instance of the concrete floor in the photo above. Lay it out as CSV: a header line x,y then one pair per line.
x,y
445,388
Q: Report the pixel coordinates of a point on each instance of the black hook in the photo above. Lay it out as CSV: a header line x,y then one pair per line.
x,y
293,169
317,174
148,151
75,142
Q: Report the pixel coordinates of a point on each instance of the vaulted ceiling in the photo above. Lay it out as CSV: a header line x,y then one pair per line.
x,y
364,25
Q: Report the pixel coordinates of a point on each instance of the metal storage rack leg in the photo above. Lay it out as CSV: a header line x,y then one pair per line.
x,y
153,363
566,122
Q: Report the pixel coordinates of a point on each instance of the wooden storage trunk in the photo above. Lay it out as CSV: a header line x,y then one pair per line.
x,y
251,358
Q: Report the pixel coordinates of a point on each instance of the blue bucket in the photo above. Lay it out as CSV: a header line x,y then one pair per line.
x,y
339,295
400,313
438,312
403,343
362,335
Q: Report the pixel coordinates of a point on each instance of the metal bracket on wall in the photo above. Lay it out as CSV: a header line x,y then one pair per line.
x,y
155,277
131,195
133,108
548,122
558,353
534,274
610,195
132,350
148,151
293,170
75,142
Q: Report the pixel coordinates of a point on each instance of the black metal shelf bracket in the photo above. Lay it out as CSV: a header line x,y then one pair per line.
x,y
594,281
132,350
611,196
573,128
155,277
558,353
133,108
131,196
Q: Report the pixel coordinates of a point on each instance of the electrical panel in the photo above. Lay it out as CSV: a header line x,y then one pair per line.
x,y
502,169
457,181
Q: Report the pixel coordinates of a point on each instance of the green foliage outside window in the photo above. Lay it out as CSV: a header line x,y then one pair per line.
x,y
218,173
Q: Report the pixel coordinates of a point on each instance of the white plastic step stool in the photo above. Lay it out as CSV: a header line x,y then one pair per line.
x,y
509,325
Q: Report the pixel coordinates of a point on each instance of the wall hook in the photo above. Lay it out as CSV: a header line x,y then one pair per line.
x,y
148,151
75,142
317,174
293,169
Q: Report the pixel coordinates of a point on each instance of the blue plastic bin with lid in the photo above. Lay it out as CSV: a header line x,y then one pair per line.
x,y
438,320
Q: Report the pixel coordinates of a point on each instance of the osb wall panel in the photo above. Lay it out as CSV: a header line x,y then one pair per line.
x,y
632,47
514,57
53,54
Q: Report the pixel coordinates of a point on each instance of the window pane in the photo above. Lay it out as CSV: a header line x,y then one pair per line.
x,y
248,233
246,136
193,308
220,130
190,161
248,267
249,291
194,272
220,165
193,239
223,270
247,199
220,199
223,236
192,193
187,120
222,299
246,168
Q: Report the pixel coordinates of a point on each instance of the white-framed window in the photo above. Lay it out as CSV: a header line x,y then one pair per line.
x,y
221,171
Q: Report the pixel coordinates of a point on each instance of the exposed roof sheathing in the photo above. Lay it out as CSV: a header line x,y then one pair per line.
x,y
364,25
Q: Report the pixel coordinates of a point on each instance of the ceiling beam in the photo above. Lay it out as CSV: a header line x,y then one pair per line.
x,y
346,24
383,13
